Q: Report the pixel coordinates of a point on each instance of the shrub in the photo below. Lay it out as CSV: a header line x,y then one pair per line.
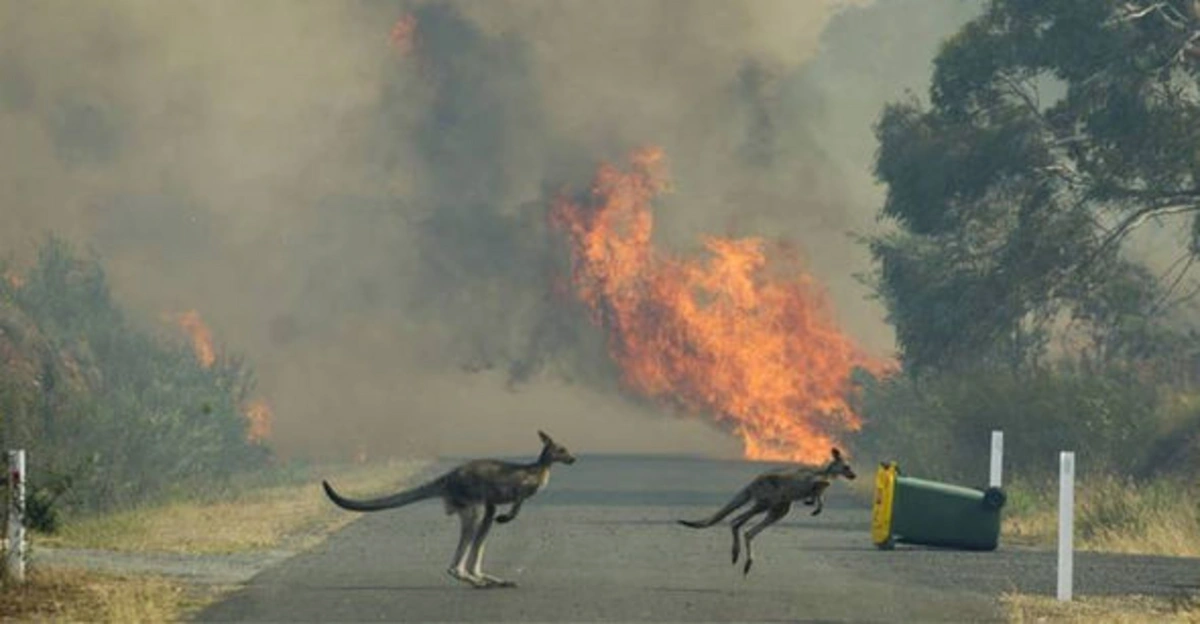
x,y
1112,513
93,396
939,425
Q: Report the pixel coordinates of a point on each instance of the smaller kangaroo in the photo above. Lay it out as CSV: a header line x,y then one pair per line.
x,y
774,492
475,486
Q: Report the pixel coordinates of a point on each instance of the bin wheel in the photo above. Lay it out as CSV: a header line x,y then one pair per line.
x,y
994,498
888,544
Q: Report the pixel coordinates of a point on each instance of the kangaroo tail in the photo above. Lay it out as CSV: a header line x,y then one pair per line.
x,y
429,490
742,498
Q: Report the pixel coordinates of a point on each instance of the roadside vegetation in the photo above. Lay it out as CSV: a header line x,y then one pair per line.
x,y
277,509
65,595
1022,608
140,439
112,414
1038,266
1160,517
289,511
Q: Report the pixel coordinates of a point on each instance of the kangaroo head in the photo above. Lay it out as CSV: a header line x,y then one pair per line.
x,y
553,451
838,467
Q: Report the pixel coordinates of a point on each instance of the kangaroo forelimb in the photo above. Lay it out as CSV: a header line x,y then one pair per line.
x,y
512,513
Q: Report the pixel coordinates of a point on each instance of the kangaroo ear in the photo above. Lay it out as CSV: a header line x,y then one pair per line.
x,y
545,438
836,453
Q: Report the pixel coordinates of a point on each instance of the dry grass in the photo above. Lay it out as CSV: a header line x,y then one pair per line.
x,y
63,595
289,516
1115,610
1111,515
250,517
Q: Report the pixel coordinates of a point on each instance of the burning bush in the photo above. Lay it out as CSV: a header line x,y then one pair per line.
x,y
93,396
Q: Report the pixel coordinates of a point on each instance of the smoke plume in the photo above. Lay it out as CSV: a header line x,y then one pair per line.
x,y
366,220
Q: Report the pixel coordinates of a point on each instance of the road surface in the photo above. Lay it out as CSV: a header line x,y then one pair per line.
x,y
601,543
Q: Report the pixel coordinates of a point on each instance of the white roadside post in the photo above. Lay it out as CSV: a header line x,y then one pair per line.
x,y
997,458
16,515
1066,523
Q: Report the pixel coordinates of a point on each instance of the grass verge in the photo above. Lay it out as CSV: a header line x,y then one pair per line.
x,y
69,595
1022,608
1112,514
243,517
284,509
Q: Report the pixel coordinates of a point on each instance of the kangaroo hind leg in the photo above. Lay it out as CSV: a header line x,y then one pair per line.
x,y
773,516
469,518
737,523
475,556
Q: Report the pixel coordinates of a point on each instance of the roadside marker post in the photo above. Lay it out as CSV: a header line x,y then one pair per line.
x,y
997,458
16,516
1066,523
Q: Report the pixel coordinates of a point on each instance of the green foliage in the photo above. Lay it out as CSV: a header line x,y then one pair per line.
x,y
1055,127
92,396
1052,130
1024,499
40,512
938,426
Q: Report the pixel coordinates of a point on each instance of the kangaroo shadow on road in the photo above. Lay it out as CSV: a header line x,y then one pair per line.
x,y
856,527
449,587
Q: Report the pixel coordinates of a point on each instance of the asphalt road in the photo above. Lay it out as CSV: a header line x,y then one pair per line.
x,y
601,543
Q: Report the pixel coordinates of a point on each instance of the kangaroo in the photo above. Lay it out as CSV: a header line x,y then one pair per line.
x,y
774,492
471,488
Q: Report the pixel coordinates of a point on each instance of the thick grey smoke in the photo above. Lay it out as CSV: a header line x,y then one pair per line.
x,y
367,224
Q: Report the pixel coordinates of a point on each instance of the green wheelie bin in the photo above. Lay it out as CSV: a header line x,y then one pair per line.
x,y
916,511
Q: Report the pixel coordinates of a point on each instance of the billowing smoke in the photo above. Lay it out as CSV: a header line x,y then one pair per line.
x,y
365,221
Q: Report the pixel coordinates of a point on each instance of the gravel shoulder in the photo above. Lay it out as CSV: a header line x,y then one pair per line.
x,y
223,569
289,518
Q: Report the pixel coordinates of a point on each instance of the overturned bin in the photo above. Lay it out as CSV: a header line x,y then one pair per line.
x,y
916,511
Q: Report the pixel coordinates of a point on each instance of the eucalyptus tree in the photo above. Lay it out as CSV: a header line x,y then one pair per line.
x,y
1053,129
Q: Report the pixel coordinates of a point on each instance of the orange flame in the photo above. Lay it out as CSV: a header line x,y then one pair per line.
x,y
15,279
403,34
746,338
201,335
260,416
257,412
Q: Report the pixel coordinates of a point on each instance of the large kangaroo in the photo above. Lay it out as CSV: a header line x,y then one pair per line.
x,y
477,485
774,492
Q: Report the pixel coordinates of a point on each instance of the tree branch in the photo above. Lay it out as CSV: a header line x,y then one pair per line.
x,y
1159,198
1160,304
1134,12
1020,92
1182,299
1138,217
